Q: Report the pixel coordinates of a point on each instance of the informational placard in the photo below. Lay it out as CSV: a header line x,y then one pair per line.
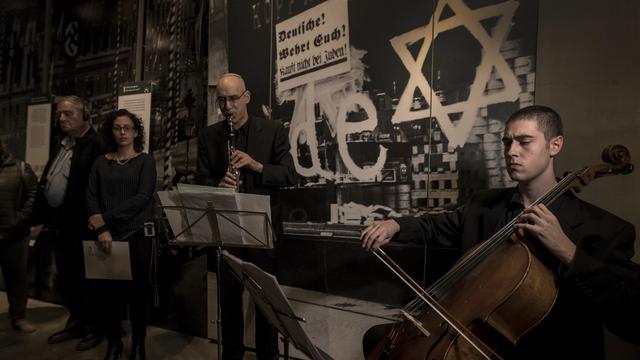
x,y
38,134
313,45
136,97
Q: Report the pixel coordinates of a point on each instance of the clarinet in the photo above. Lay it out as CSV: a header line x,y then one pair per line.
x,y
231,147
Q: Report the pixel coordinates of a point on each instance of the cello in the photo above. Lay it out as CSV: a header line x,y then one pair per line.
x,y
496,293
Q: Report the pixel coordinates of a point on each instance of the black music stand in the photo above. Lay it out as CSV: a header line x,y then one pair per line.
x,y
204,216
273,303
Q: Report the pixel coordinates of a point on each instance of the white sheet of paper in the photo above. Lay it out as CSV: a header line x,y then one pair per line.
x,y
97,265
192,188
170,200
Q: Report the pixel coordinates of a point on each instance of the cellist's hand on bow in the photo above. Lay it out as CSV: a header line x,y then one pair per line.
x,y
540,222
378,234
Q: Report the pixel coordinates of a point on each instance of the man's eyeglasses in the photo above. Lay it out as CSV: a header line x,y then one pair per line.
x,y
233,98
119,129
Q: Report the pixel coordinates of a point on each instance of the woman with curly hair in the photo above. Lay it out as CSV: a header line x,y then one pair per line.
x,y
120,202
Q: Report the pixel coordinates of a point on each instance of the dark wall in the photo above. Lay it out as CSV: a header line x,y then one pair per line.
x,y
587,69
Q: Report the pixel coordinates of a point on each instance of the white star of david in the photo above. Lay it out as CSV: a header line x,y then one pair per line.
x,y
491,57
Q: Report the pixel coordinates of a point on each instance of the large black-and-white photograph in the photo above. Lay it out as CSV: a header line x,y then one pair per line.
x,y
413,119
319,179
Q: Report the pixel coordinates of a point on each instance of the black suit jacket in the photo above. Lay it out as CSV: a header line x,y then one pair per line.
x,y
72,215
601,285
268,143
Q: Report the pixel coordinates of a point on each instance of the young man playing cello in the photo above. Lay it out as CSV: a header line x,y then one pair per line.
x,y
587,248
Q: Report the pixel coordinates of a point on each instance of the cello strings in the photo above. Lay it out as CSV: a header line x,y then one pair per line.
x,y
494,241
441,312
414,306
441,286
483,250
477,255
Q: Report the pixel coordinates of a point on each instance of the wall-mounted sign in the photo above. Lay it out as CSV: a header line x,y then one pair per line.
x,y
38,133
136,97
313,45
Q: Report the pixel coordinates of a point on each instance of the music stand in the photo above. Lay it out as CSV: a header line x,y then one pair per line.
x,y
205,216
273,303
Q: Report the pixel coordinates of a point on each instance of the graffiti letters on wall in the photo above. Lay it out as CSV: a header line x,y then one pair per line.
x,y
413,122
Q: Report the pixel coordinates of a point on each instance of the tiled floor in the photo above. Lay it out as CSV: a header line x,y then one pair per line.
x,y
49,318
334,324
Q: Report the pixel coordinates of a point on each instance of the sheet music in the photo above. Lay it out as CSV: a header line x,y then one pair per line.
x,y
195,201
254,223
192,188
273,303
170,200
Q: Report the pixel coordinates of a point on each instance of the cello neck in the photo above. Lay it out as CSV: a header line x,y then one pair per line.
x,y
617,160
462,268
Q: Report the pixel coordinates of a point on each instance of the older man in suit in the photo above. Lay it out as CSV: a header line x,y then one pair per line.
x,y
263,163
60,207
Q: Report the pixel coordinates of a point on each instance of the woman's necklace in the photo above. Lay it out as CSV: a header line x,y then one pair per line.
x,y
121,162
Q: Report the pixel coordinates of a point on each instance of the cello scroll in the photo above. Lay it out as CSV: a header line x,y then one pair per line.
x,y
617,161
